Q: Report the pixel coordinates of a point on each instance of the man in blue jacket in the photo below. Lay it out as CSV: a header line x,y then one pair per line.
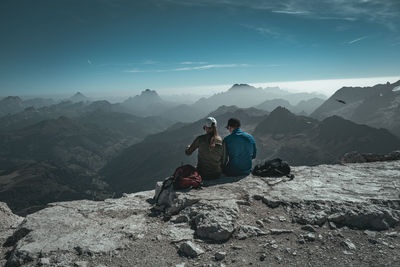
x,y
240,150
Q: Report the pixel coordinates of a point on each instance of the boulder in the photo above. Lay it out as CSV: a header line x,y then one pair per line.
x,y
370,217
214,220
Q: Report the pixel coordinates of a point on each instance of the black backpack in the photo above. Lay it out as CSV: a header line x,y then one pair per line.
x,y
273,168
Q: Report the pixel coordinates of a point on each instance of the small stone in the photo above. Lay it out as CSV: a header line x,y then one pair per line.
x,y
235,247
332,225
310,237
191,250
44,261
180,265
274,246
263,257
339,234
257,197
301,241
260,223
372,241
180,219
81,264
277,258
280,231
392,234
348,244
345,252
370,233
308,228
294,253
243,203
282,219
219,256
246,231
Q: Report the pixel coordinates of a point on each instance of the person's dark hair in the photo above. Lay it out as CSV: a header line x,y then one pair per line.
x,y
233,122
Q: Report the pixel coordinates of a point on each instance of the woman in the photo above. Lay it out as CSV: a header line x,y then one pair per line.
x,y
211,154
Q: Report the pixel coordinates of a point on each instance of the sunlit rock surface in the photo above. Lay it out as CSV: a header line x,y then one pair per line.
x,y
238,217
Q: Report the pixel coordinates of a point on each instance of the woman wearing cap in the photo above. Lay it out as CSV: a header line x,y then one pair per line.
x,y
211,154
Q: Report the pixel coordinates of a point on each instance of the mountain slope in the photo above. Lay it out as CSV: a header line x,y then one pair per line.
x,y
376,106
139,166
148,103
306,141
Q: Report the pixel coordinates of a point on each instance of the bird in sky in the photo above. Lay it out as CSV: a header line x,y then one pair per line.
x,y
340,101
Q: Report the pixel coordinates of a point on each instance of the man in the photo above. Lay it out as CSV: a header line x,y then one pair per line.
x,y
211,155
240,149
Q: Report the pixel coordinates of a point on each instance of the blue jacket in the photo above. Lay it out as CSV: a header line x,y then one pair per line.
x,y
240,150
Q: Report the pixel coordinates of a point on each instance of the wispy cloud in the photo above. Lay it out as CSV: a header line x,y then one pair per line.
x,y
149,62
135,71
89,62
211,66
384,12
202,67
193,62
264,31
357,40
291,12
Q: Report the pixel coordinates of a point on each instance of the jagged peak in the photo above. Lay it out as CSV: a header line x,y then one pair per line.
x,y
149,92
12,98
281,111
241,86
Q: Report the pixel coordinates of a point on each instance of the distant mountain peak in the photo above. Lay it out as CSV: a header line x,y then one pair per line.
x,y
281,112
149,92
241,86
149,95
78,94
12,98
78,97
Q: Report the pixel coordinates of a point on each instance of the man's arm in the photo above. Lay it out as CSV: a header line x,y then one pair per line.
x,y
191,148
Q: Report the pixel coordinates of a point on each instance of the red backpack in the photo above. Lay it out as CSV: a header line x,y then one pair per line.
x,y
186,176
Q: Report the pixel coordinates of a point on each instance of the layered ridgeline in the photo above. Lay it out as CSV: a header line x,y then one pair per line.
x,y
305,141
297,139
45,157
150,103
377,106
304,107
344,215
245,96
73,149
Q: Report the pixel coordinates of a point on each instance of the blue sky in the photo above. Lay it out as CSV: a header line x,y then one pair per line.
x,y
173,46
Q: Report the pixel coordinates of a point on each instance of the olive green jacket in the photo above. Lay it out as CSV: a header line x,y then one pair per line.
x,y
210,160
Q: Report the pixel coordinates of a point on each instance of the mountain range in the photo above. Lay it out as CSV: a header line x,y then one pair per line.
x,y
297,139
377,106
79,148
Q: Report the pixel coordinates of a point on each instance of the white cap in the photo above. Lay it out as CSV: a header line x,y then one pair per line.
x,y
210,121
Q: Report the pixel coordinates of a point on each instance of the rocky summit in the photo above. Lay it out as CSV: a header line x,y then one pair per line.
x,y
345,215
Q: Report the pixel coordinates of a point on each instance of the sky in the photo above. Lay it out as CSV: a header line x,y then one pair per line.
x,y
195,46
